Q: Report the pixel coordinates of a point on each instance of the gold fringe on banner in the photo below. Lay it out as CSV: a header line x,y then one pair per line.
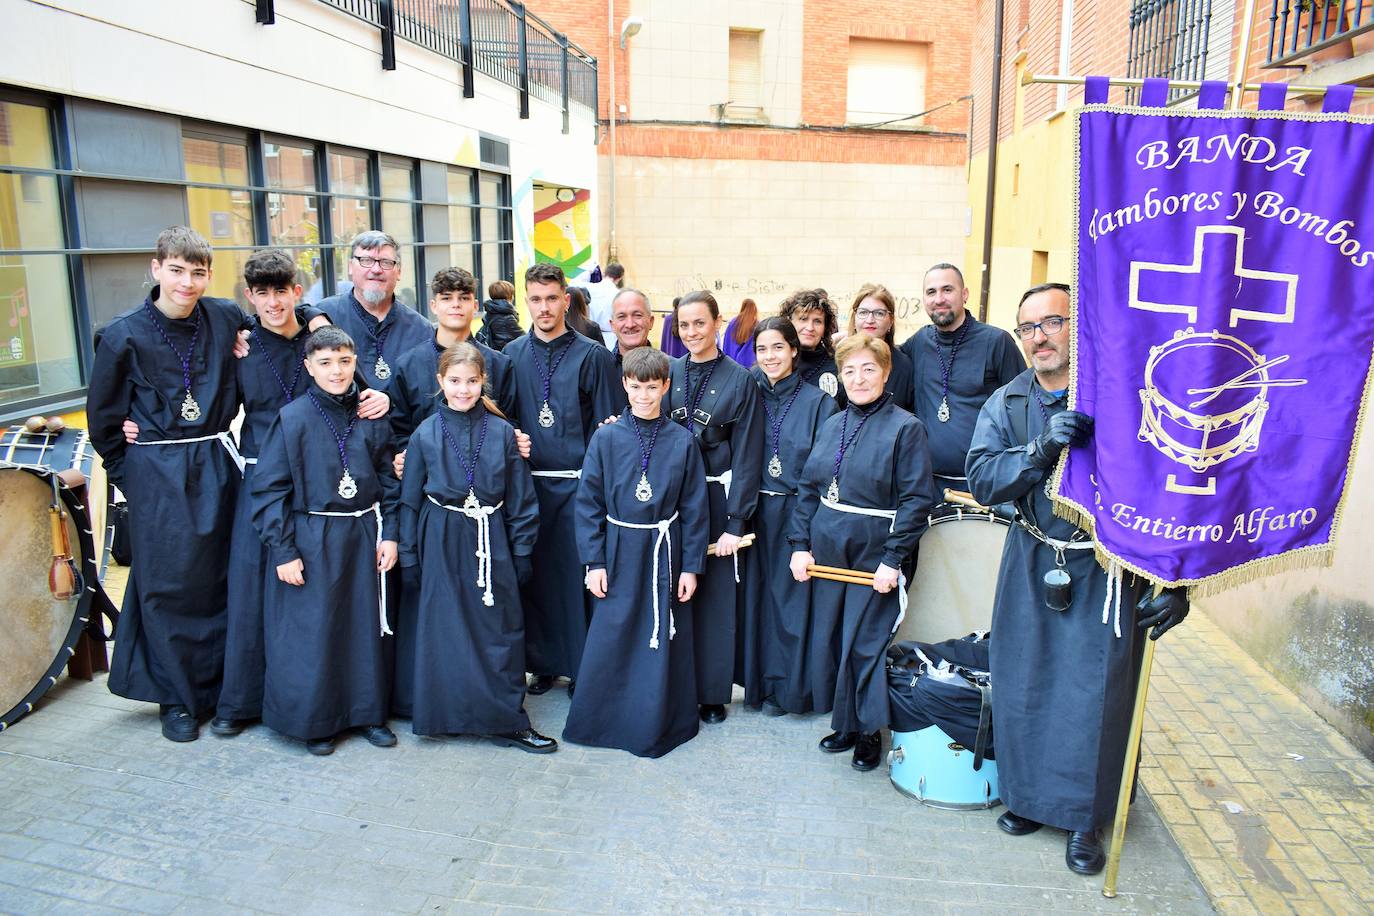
x,y
1313,556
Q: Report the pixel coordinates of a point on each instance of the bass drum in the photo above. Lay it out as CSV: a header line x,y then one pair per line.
x,y
952,592
40,630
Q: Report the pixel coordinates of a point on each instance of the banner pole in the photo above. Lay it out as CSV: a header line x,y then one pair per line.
x,y
1128,768
1054,79
1243,56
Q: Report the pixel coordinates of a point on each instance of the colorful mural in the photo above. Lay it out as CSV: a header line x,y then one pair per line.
x,y
563,227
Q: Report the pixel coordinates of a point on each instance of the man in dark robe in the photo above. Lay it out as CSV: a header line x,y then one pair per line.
x,y
565,385
168,365
957,363
1065,680
383,328
631,320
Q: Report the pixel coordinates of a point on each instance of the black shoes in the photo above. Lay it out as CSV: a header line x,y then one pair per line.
x,y
868,750
1084,853
226,727
178,724
527,740
379,735
773,709
839,741
1017,825
712,713
321,747
540,684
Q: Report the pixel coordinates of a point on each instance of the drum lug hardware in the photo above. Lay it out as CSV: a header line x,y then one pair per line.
x,y
895,756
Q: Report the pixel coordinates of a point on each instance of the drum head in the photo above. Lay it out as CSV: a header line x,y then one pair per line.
x,y
39,631
956,578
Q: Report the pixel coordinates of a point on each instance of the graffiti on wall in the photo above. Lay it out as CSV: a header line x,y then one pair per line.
x,y
563,227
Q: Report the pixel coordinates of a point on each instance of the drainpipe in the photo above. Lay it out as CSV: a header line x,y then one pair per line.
x,y
991,193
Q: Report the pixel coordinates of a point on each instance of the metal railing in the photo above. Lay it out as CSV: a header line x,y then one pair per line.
x,y
499,38
1168,39
1298,28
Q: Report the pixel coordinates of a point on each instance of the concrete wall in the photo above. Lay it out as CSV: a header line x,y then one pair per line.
x,y
761,228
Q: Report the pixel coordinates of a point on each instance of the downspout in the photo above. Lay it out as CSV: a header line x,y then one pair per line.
x,y
991,193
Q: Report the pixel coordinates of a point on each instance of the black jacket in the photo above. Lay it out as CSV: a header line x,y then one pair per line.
x,y
499,324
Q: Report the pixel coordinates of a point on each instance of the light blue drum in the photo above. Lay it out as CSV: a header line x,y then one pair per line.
x,y
932,768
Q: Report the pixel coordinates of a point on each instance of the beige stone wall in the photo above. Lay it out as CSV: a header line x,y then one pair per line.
x,y
679,62
761,229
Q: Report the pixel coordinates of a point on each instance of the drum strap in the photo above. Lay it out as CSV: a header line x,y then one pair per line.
x,y
224,439
664,540
482,516
573,474
375,510
980,744
891,516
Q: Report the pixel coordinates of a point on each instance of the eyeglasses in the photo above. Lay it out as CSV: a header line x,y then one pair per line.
x,y
1051,326
369,262
871,314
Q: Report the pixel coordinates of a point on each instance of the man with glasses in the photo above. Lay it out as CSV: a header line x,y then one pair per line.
x,y
382,327
957,363
1065,676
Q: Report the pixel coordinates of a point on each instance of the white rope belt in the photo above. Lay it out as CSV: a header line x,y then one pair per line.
x,y
250,461
224,438
376,510
722,479
776,493
573,474
665,538
891,516
482,516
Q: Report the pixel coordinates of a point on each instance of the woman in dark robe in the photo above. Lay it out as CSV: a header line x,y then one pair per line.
x,y
774,663
468,509
874,312
863,502
813,315
714,398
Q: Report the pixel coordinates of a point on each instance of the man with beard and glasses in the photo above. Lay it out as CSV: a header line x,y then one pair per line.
x,y
957,363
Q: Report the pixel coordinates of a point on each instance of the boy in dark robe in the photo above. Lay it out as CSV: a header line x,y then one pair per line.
x,y
642,525
324,502
168,365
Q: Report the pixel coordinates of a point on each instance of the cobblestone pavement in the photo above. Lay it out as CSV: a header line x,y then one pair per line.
x,y
1274,809
100,813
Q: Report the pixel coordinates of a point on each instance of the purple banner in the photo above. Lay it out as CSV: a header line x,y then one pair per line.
x,y
1223,327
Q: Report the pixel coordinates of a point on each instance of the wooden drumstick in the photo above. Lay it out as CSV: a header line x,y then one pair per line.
x,y
744,542
960,498
34,424
849,580
849,574
55,424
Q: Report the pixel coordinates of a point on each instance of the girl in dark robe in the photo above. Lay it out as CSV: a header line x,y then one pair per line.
x,y
863,502
324,502
813,315
641,531
775,659
468,510
714,398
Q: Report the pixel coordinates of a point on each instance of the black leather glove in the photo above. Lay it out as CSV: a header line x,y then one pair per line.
x,y
524,569
1068,427
1163,611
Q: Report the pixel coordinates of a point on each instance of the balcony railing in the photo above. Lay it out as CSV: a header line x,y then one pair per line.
x,y
1169,39
500,38
1298,28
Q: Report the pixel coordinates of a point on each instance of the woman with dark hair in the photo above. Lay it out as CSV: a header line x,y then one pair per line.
x,y
813,315
862,503
776,647
671,344
719,404
874,312
739,334
577,316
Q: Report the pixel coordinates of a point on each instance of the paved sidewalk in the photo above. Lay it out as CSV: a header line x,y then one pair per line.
x,y
99,813
1274,808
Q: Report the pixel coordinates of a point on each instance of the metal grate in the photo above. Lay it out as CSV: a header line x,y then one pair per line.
x,y
1169,40
1301,27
